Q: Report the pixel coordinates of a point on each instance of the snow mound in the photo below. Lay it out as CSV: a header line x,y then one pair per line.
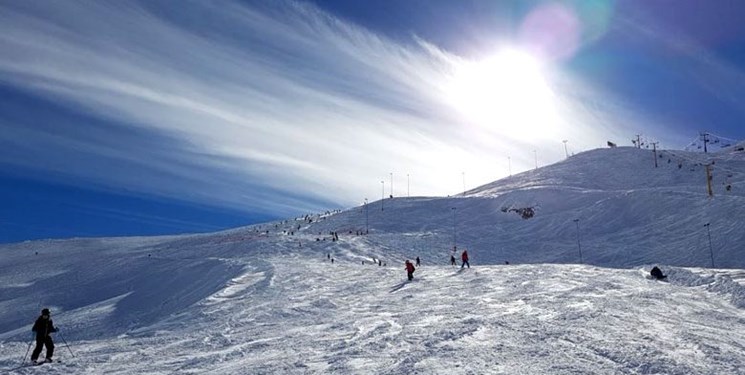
x,y
718,283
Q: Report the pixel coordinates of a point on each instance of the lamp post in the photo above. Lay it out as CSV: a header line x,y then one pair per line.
x,y
382,195
391,184
566,153
367,219
711,249
455,244
579,246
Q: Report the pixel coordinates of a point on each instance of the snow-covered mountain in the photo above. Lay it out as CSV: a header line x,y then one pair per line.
x,y
268,299
630,213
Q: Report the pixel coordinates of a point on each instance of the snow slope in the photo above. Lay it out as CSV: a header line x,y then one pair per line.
x,y
630,213
266,299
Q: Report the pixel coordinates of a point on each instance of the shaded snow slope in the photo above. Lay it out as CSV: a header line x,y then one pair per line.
x,y
293,313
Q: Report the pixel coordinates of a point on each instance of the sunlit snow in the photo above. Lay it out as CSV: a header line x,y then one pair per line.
x,y
266,299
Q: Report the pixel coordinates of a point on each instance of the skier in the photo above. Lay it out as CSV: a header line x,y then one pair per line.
x,y
464,258
657,273
452,260
417,262
409,270
42,328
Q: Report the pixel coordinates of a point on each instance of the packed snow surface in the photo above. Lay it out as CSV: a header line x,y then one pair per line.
x,y
267,299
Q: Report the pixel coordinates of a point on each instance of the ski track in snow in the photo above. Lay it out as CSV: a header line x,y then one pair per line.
x,y
257,300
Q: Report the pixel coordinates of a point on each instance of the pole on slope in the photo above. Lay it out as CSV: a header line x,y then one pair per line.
x,y
579,246
27,350
455,243
367,219
382,194
711,248
32,340
408,186
464,183
654,151
708,180
391,184
68,346
566,152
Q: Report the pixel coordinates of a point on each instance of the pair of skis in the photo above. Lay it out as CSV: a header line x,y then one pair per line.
x,y
39,363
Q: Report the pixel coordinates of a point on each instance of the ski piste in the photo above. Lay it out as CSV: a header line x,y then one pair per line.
x,y
39,363
226,294
32,364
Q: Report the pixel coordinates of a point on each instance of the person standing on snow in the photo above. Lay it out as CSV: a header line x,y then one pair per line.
x,y
452,260
464,258
409,270
417,262
43,327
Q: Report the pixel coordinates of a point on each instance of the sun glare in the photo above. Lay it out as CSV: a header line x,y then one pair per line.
x,y
505,93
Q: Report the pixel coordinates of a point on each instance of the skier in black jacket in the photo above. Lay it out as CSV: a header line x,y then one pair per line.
x,y
43,327
657,273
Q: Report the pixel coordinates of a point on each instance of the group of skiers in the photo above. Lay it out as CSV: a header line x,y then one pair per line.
x,y
463,259
410,267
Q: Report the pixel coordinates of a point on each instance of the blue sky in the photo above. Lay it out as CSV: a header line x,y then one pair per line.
x,y
128,118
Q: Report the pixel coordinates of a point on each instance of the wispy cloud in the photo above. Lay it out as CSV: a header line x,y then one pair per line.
x,y
275,106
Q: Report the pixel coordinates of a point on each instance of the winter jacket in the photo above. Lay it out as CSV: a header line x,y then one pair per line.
x,y
409,267
464,256
43,327
657,273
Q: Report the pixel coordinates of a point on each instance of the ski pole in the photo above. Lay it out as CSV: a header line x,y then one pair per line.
x,y
68,346
32,340
27,349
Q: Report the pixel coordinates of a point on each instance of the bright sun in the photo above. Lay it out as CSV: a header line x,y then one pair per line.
x,y
505,93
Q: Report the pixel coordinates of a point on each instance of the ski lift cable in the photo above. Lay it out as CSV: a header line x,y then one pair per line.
x,y
714,167
692,142
721,137
716,139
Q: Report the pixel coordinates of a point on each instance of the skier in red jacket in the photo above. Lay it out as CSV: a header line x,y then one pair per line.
x,y
409,270
464,258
